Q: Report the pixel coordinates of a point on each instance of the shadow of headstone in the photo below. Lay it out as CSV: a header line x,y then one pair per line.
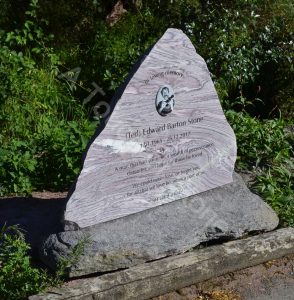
x,y
37,217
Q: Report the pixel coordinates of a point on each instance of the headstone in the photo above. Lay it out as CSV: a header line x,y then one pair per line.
x,y
157,180
166,139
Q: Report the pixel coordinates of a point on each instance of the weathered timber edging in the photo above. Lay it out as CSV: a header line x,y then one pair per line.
x,y
158,277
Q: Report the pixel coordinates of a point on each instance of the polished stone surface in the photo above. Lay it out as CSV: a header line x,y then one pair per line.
x,y
166,139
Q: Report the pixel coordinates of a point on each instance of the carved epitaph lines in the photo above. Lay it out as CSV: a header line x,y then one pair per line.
x,y
167,139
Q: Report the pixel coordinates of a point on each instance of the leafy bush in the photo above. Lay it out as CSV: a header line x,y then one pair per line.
x,y
265,148
247,44
244,44
261,143
18,278
43,128
275,185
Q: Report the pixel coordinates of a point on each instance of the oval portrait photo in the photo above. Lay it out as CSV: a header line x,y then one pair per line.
x,y
165,100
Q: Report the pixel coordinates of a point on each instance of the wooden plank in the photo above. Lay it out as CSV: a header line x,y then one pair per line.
x,y
166,139
162,276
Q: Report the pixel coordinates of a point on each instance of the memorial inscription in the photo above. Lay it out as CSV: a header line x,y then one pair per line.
x,y
167,139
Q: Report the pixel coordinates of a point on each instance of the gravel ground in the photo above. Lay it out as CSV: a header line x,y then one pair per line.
x,y
273,280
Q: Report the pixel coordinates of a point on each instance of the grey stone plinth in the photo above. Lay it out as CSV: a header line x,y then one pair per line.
x,y
224,213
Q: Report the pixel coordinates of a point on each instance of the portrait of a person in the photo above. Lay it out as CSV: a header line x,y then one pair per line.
x,y
165,100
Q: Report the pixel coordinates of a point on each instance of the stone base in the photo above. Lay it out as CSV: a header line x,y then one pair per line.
x,y
225,213
146,281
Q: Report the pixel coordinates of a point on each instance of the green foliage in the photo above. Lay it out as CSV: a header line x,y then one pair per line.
x,y
275,185
260,143
72,258
265,148
244,45
43,128
18,278
117,48
17,166
248,45
112,50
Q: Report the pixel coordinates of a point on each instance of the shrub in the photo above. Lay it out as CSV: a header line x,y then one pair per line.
x,y
44,129
247,44
18,278
275,185
244,44
265,148
261,143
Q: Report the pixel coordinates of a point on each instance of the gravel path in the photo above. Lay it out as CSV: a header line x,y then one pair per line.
x,y
273,280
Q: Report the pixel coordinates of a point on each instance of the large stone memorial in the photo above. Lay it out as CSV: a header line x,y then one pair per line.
x,y
166,139
158,177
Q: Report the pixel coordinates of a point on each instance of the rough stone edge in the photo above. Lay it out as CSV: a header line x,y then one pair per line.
x,y
131,258
162,276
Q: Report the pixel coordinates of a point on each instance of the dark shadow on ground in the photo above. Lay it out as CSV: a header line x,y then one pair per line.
x,y
38,217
